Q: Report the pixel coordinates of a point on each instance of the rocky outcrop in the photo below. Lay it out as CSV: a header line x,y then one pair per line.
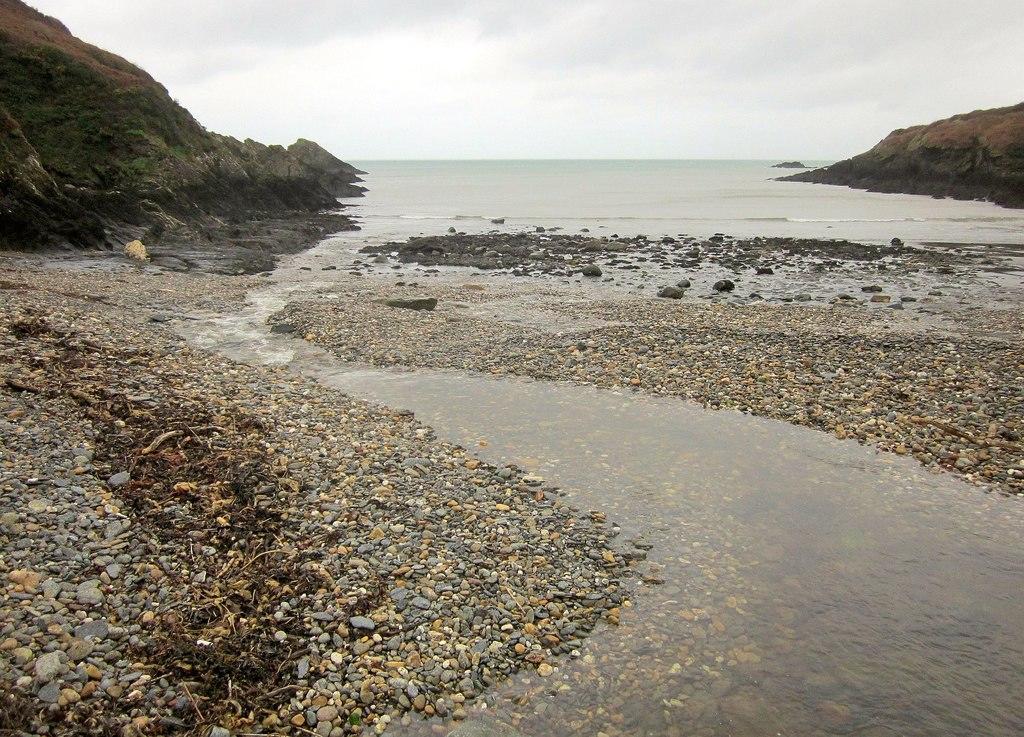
x,y
94,151
974,156
790,165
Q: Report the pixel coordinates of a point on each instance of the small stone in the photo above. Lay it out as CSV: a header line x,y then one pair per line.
x,y
362,623
118,480
49,666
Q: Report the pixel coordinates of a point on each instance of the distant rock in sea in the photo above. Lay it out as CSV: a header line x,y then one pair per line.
x,y
972,156
790,165
94,152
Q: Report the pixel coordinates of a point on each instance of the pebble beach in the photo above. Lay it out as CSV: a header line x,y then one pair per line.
x,y
195,544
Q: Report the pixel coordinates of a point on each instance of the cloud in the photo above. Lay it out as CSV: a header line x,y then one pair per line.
x,y
504,78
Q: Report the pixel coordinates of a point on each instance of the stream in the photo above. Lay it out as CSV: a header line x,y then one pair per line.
x,y
795,584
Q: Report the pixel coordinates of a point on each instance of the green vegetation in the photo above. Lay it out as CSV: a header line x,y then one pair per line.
x,y
85,127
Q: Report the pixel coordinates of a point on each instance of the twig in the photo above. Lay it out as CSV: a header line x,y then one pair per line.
x,y
21,386
194,704
160,440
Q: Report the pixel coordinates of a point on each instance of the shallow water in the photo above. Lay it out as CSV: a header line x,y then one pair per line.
x,y
695,197
809,586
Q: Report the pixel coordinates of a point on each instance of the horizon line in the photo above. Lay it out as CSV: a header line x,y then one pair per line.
x,y
591,158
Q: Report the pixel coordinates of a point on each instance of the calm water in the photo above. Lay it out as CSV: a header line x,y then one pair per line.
x,y
698,198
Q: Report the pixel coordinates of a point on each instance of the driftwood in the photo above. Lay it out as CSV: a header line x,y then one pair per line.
x,y
973,439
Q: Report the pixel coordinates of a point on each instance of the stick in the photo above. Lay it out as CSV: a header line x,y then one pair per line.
x,y
160,440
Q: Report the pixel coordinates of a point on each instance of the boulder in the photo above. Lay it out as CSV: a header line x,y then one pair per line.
x,y
136,251
414,303
591,270
724,285
671,293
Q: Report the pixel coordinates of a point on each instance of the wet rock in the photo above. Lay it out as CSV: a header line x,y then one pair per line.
x,y
591,270
724,285
417,303
671,292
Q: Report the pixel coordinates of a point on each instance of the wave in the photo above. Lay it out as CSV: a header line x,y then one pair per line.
x,y
636,218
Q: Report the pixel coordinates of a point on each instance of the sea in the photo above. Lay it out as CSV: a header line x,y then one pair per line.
x,y
696,197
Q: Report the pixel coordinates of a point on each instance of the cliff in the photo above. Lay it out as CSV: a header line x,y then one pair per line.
x,y
978,155
93,150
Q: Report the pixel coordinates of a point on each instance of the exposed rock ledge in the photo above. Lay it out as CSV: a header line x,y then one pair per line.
x,y
94,152
973,156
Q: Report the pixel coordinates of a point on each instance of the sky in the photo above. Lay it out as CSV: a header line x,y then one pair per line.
x,y
422,79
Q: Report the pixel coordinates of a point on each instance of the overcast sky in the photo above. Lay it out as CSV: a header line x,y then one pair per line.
x,y
568,78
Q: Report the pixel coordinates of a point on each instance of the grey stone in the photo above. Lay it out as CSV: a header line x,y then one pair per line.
x,y
119,479
97,630
49,666
415,303
362,623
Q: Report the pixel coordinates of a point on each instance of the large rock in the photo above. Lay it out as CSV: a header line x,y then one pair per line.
x,y
978,155
136,251
415,303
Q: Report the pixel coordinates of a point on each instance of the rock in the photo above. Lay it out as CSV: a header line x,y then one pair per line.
x,y
415,303
49,693
880,298
481,729
498,221
95,630
683,283
382,259
871,289
118,480
790,165
896,242
362,623
28,580
765,271
326,713
136,251
49,665
724,285
79,650
591,270
671,292
283,328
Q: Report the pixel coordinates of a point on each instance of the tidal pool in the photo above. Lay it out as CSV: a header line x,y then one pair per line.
x,y
795,584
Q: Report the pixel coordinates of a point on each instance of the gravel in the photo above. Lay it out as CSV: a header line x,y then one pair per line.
x,y
327,565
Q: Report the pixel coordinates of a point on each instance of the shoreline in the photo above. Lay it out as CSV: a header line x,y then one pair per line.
x,y
90,355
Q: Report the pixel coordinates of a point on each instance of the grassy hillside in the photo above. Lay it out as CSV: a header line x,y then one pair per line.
x,y
116,146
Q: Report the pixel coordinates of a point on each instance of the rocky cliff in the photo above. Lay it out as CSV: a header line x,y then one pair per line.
x,y
94,151
978,155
